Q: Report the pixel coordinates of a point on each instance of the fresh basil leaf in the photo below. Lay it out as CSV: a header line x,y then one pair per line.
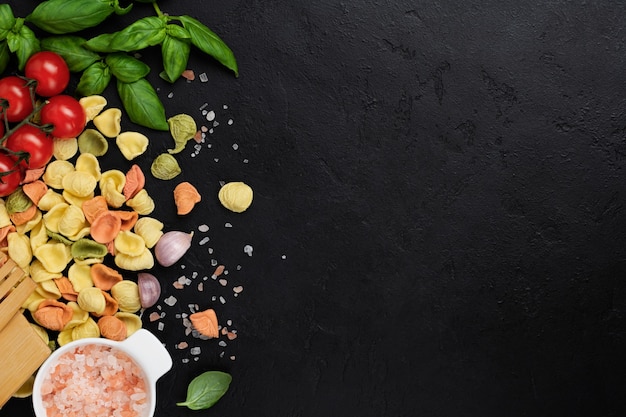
x,y
206,389
148,31
67,16
72,49
7,20
101,43
94,80
22,42
126,68
5,56
175,54
142,104
208,42
177,32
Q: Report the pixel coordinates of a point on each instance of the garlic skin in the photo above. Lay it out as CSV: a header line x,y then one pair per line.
x,y
149,289
171,247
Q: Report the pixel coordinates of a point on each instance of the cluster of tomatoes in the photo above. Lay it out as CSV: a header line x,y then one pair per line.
x,y
33,111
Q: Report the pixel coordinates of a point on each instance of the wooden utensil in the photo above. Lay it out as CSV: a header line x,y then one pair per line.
x,y
22,350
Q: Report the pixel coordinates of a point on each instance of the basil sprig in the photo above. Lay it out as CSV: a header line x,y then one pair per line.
x,y
206,389
107,55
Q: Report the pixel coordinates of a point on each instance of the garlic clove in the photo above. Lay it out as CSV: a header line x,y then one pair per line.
x,y
149,289
171,247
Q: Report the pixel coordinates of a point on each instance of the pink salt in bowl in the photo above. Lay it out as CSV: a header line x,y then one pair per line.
x,y
101,377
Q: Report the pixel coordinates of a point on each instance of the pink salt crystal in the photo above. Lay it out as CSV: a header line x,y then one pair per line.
x,y
154,316
182,345
189,75
198,137
178,285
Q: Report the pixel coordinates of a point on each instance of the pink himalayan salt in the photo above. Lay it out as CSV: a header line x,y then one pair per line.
x,y
95,380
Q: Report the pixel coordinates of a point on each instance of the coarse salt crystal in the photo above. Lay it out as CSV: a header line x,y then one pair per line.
x,y
222,300
204,241
238,289
170,301
222,343
223,282
203,228
195,350
248,250
203,77
230,122
228,225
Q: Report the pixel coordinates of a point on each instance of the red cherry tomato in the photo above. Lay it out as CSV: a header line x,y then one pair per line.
x,y
10,175
50,71
65,114
38,144
15,91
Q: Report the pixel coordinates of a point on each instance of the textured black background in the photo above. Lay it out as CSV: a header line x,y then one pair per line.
x,y
438,223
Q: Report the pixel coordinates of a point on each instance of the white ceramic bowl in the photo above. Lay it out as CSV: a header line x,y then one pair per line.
x,y
142,347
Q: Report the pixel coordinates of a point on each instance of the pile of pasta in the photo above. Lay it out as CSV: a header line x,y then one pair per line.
x,y
62,223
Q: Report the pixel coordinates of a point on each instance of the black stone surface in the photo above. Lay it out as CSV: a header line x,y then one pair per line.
x,y
438,223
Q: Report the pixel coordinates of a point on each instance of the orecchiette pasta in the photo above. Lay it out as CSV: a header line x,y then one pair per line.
x,y
54,256
132,144
111,186
142,203
55,172
150,229
65,149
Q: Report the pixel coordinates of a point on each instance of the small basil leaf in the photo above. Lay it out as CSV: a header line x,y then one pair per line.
x,y
142,104
126,68
175,54
66,16
72,49
23,43
148,31
208,42
101,43
206,389
177,32
7,20
94,80
5,56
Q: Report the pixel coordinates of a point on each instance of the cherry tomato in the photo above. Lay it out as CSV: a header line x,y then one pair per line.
x,y
50,71
10,175
65,114
38,144
15,90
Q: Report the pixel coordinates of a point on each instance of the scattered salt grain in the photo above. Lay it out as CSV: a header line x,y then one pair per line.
x,y
210,116
225,107
230,122
170,301
201,287
182,345
235,146
204,241
185,360
222,343
154,316
160,326
229,322
238,289
219,270
232,358
248,250
223,282
203,228
170,95
222,300
178,285
228,225
203,77
195,350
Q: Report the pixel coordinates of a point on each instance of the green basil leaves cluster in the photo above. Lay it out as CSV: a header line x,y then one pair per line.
x,y
108,56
